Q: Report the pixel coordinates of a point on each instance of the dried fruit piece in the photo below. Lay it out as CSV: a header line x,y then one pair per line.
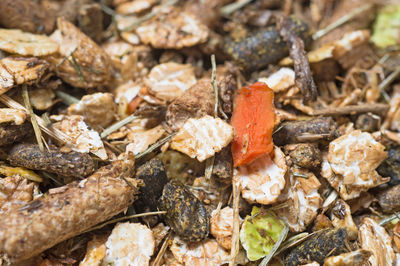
x,y
318,247
16,116
168,81
195,102
357,257
202,138
67,211
98,109
172,28
81,62
154,177
375,239
262,180
26,44
253,119
66,164
83,139
15,192
129,244
302,199
221,226
20,70
207,252
351,163
186,215
341,218
259,233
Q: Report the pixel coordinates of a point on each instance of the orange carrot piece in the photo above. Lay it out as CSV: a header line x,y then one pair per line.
x,y
253,119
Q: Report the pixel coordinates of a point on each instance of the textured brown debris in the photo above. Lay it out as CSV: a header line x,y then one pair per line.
x,y
81,62
66,164
67,211
26,15
195,102
13,133
389,199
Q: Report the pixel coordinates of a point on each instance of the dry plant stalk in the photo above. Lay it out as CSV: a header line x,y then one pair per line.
x,y
67,211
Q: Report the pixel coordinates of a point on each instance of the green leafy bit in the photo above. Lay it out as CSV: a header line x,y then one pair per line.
x,y
386,30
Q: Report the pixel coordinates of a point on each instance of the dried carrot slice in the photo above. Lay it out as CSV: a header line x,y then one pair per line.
x,y
253,119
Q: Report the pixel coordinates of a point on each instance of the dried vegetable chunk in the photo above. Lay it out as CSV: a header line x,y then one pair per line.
x,y
253,119
221,226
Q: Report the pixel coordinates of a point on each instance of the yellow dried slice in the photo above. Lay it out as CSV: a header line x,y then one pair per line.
x,y
27,44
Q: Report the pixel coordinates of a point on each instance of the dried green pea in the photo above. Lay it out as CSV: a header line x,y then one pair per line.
x,y
264,46
73,164
186,214
154,177
318,247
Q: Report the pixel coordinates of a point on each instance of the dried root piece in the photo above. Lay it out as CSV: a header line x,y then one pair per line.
x,y
83,139
172,28
262,180
81,62
186,214
66,164
168,81
375,239
20,70
10,133
98,109
26,44
26,15
302,199
129,244
67,211
357,257
351,163
15,192
207,252
318,247
195,102
305,131
202,138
